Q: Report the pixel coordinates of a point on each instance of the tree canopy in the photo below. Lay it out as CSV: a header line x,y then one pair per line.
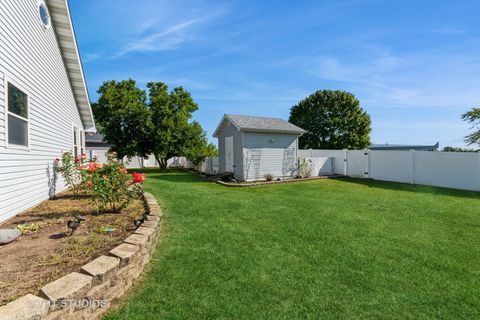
x,y
473,117
159,125
333,119
122,116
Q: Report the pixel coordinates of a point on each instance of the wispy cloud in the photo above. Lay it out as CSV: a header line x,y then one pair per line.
x,y
163,40
167,39
89,57
447,30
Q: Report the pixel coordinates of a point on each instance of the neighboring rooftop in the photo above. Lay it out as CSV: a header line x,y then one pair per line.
x,y
387,146
261,124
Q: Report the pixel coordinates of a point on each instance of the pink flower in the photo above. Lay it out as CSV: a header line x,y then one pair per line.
x,y
92,166
123,170
84,156
89,183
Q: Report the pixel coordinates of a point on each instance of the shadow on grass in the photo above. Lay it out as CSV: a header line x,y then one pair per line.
x,y
397,186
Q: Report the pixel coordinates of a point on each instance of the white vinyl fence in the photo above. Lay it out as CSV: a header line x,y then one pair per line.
x,y
458,170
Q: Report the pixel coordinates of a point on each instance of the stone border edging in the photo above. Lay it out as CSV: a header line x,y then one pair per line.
x,y
263,183
89,293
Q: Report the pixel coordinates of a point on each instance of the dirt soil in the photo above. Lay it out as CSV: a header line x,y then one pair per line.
x,y
48,253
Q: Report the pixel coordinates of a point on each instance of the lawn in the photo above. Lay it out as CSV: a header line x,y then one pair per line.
x,y
325,249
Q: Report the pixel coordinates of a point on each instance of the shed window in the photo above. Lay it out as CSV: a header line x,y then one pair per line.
x,y
17,116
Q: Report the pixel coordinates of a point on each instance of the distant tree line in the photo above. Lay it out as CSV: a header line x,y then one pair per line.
x,y
138,123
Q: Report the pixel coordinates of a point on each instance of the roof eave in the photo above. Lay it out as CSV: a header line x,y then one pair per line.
x,y
62,24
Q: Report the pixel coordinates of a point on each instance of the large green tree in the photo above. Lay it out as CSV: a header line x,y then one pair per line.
x,y
123,117
159,125
473,117
172,134
333,119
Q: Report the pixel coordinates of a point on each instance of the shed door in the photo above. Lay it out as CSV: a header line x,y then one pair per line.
x,y
229,154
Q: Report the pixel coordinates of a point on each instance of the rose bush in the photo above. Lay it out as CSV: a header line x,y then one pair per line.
x,y
69,167
108,185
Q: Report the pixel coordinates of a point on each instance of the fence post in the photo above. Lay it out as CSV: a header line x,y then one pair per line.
x,y
412,152
345,159
367,164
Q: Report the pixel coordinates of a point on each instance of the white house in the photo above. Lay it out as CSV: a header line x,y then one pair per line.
x,y
44,103
250,147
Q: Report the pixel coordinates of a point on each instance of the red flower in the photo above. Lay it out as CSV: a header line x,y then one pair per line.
x,y
82,167
138,177
89,183
57,159
77,160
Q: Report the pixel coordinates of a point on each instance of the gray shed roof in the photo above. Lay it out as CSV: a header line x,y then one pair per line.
x,y
259,124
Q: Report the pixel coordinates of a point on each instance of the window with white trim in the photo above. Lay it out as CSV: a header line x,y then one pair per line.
x,y
17,116
76,146
82,142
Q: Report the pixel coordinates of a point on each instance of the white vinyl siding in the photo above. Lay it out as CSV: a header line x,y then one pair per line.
x,y
269,153
231,131
30,56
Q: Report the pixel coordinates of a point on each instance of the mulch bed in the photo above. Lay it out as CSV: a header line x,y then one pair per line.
x,y
43,255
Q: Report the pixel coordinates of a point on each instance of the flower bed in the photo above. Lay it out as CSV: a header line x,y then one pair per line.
x,y
88,291
102,207
45,251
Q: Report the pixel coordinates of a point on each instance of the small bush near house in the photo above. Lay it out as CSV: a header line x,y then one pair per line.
x,y
69,167
268,176
304,169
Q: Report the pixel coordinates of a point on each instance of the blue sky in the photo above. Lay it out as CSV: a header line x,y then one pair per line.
x,y
414,65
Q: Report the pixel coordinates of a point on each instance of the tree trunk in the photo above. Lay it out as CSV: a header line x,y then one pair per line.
x,y
162,162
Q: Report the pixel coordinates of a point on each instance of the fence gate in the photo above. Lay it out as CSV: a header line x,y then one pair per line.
x,y
357,163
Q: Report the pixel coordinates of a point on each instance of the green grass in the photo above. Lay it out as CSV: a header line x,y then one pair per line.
x,y
327,249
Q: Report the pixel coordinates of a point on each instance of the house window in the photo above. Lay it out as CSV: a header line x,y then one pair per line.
x,y
17,114
75,143
82,142
44,15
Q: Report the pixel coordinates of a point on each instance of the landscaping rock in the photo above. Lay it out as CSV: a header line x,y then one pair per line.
x,y
145,231
28,307
73,285
155,211
150,224
152,218
9,235
137,239
101,268
125,252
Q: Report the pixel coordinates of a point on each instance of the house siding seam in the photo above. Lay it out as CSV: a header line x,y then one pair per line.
x,y
30,57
